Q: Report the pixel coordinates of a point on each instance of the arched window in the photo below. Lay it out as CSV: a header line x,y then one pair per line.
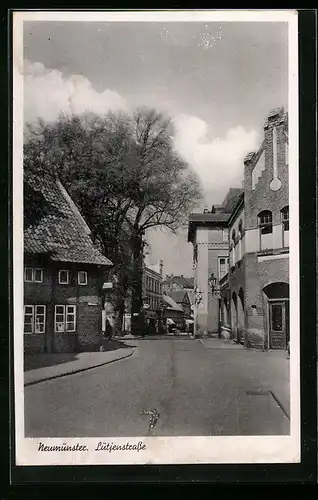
x,y
240,235
233,237
285,225
265,224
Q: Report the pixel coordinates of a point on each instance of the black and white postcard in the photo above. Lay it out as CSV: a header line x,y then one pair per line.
x,y
155,237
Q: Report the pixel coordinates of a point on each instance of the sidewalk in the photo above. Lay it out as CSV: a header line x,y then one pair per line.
x,y
52,366
270,370
217,343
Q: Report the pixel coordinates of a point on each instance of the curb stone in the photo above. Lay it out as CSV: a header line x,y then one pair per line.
x,y
78,370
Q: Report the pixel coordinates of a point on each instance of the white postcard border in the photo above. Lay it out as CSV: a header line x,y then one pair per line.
x,y
157,450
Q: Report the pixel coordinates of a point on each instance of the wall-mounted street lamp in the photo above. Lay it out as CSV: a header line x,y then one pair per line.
x,y
212,283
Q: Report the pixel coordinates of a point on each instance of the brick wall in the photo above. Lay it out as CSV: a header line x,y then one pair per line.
x,y
262,197
87,298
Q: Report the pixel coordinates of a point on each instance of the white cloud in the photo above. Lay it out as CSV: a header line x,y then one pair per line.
x,y
217,161
47,93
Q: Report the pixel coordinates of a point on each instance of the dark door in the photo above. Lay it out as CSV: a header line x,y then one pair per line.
x,y
278,324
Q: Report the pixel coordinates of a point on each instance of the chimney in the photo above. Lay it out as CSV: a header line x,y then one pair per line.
x,y
275,117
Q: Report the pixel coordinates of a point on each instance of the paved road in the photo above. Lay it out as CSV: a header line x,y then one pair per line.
x,y
196,391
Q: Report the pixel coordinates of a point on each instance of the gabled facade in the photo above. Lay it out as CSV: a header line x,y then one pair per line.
x,y
255,293
251,261
64,275
174,312
182,299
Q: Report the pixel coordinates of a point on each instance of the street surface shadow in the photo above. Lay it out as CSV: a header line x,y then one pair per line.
x,y
34,361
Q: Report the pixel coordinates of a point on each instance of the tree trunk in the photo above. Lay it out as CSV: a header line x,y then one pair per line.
x,y
137,316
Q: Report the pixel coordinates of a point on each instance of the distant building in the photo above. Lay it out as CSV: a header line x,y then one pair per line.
x,y
208,232
64,274
173,312
152,295
181,297
173,283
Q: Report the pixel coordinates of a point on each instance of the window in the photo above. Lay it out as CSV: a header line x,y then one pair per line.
x,y
265,224
233,249
285,225
38,275
34,319
64,277
28,274
240,235
28,319
65,318
285,218
33,274
223,266
82,277
225,235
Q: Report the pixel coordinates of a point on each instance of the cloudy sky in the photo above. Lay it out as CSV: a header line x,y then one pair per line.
x,y
217,82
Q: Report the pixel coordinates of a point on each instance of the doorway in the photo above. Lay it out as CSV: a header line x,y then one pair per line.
x,y
278,315
278,324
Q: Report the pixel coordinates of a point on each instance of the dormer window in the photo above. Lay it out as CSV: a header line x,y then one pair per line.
x,y
64,277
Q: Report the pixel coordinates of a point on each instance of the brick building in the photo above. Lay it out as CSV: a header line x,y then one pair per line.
x,y
245,244
64,274
255,292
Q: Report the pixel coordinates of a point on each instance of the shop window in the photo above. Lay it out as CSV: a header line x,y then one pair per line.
x,y
265,224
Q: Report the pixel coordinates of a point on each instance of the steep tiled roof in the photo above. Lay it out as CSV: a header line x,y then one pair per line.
x,y
60,231
171,304
231,199
178,295
184,282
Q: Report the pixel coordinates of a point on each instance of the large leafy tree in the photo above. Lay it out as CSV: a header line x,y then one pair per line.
x,y
125,176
